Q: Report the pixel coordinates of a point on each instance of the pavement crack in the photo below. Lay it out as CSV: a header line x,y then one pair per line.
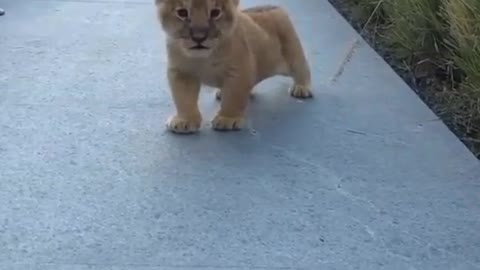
x,y
370,205
346,59
380,136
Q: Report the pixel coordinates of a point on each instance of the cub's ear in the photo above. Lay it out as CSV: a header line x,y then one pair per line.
x,y
159,2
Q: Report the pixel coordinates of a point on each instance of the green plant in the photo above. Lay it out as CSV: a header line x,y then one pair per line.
x,y
435,44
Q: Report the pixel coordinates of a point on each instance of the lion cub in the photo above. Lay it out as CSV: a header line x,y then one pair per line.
x,y
213,42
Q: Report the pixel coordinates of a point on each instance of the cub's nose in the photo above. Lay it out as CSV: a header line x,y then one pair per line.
x,y
199,34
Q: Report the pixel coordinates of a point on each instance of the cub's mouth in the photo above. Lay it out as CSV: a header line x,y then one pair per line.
x,y
199,47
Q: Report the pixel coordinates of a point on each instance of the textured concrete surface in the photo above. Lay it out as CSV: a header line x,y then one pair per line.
x,y
362,177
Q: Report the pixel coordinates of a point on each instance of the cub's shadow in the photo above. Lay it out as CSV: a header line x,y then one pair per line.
x,y
273,117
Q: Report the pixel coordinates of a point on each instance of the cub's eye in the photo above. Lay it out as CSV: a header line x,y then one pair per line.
x,y
215,13
182,13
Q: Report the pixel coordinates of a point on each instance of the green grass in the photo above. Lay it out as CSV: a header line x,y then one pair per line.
x,y
435,44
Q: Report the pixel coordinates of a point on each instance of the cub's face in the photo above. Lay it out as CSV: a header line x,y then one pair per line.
x,y
196,26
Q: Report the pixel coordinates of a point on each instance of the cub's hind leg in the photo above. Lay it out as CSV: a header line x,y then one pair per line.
x,y
297,63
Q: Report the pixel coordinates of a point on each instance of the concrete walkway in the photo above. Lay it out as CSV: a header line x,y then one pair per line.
x,y
362,177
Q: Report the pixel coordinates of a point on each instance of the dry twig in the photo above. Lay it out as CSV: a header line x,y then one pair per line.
x,y
353,46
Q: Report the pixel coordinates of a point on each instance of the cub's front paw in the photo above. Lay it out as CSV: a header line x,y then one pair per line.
x,y
182,125
223,123
301,91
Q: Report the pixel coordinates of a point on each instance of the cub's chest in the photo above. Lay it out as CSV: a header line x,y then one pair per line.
x,y
209,73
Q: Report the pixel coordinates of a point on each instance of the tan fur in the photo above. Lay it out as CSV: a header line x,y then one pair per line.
x,y
245,47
